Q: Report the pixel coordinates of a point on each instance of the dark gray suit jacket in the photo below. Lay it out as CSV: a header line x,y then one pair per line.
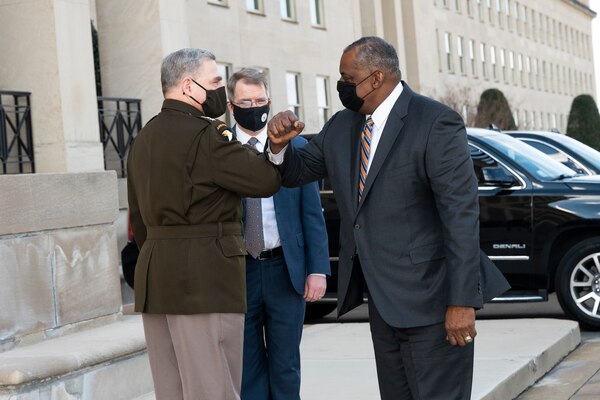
x,y
416,230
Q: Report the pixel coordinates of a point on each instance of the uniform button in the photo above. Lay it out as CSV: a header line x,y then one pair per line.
x,y
357,226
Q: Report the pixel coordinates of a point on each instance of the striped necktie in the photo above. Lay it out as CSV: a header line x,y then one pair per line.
x,y
365,149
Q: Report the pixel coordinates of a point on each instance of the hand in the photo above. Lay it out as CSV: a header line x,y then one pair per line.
x,y
282,128
460,323
314,287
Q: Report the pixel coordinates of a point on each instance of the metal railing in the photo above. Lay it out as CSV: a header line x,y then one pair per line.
x,y
120,120
16,139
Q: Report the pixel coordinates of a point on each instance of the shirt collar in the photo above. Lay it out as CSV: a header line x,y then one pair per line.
x,y
243,137
382,112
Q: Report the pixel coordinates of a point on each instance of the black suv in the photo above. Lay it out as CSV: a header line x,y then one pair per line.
x,y
539,220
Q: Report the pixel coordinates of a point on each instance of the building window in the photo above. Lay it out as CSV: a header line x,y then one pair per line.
x,y
521,72
545,76
480,9
511,64
323,99
292,82
469,8
490,12
448,50
457,5
524,18
255,6
533,26
529,71
482,54
499,13
287,9
507,12
472,57
439,49
460,53
536,73
542,35
517,20
493,62
503,63
317,17
559,36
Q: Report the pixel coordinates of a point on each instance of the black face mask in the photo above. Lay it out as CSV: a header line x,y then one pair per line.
x,y
253,118
348,96
216,101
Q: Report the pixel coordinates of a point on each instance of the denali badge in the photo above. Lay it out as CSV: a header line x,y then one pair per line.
x,y
499,246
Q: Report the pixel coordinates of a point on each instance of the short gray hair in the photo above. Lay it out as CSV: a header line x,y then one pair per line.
x,y
180,63
377,53
249,75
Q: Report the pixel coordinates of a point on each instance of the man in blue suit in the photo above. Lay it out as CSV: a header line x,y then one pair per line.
x,y
287,260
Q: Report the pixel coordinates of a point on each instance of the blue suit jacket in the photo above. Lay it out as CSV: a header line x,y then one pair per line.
x,y
302,231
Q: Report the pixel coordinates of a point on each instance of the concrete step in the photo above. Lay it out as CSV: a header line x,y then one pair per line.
x,y
338,362
108,362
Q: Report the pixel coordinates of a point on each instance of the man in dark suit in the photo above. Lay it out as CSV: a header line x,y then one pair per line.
x,y
287,260
185,184
407,195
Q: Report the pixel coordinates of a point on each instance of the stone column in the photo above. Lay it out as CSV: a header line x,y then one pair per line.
x,y
46,49
134,36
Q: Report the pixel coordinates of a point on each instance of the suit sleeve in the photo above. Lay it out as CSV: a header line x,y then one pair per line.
x,y
240,169
135,217
307,164
313,227
452,179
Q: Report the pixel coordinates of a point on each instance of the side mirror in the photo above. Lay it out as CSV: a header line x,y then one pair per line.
x,y
497,176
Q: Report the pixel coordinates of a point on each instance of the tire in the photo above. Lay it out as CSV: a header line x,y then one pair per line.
x,y
577,283
318,310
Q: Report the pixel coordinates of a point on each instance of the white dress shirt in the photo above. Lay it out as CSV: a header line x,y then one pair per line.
x,y
270,231
379,116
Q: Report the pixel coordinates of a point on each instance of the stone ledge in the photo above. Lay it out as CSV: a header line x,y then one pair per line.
x,y
40,202
71,353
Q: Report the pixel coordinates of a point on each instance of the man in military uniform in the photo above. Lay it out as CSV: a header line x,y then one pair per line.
x,y
186,180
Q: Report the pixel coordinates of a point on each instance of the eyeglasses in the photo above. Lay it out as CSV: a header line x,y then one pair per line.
x,y
250,103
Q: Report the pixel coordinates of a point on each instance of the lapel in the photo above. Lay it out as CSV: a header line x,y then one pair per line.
x,y
393,127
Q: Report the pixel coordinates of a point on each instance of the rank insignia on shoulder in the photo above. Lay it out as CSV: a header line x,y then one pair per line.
x,y
220,126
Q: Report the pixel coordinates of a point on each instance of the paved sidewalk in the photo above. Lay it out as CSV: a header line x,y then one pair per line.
x,y
510,355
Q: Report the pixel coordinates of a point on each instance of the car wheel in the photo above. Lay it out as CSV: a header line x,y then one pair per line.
x,y
578,283
318,310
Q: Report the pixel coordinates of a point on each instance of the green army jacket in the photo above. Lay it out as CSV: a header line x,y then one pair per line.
x,y
185,183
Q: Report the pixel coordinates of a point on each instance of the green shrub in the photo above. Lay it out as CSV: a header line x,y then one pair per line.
x,y
493,108
584,121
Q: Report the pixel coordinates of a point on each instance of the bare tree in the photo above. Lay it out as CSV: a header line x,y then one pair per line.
x,y
459,99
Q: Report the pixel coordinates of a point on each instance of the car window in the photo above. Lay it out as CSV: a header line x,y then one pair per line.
x,y
590,154
536,163
556,154
486,168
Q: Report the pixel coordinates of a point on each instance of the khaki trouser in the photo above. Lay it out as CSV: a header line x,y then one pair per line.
x,y
195,357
